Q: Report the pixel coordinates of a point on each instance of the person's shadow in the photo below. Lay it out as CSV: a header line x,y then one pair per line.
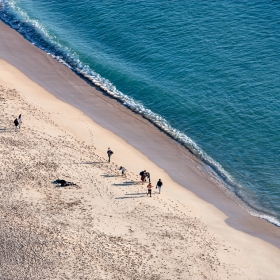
x,y
128,183
110,175
4,130
132,195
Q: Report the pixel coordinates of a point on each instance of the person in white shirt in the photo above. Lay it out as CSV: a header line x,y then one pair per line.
x,y
123,171
19,121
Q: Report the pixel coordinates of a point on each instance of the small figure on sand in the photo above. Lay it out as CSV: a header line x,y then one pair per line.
x,y
19,121
63,183
159,185
147,175
109,153
143,176
123,171
16,124
149,189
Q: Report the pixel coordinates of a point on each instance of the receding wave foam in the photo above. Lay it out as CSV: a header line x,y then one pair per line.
x,y
38,35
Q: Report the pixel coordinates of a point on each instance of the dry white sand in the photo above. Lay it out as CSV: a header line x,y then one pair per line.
x,y
105,227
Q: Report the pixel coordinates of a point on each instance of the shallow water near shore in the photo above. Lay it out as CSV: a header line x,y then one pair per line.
x,y
207,74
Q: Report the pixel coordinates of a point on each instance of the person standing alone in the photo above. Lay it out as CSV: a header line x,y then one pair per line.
x,y
159,185
149,189
109,153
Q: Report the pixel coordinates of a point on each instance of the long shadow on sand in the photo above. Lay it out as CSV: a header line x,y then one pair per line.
x,y
128,183
4,130
110,176
139,196
136,193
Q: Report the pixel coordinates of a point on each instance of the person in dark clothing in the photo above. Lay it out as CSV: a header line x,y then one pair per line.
x,y
109,153
16,124
143,176
159,185
63,183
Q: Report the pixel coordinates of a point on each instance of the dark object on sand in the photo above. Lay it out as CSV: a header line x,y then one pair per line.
x,y
63,183
144,175
16,124
109,153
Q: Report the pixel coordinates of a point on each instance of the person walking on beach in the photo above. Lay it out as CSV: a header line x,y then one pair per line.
x,y
109,153
147,175
159,185
143,176
149,189
19,121
16,124
123,171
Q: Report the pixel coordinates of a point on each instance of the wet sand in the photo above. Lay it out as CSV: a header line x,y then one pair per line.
x,y
188,194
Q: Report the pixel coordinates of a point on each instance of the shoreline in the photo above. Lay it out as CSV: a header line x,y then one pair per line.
x,y
91,100
201,195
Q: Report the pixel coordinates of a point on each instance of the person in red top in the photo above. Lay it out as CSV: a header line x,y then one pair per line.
x,y
149,189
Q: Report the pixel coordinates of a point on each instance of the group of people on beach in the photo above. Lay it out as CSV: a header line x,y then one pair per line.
x,y
144,175
18,122
158,186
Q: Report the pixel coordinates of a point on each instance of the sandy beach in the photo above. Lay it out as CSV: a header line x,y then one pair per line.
x,y
105,226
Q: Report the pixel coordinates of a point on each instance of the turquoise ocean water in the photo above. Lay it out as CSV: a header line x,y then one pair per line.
x,y
207,72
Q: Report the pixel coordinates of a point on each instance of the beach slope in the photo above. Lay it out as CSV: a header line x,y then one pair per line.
x,y
104,226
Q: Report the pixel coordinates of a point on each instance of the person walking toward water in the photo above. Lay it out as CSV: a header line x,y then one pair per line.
x,y
19,121
16,124
149,189
109,153
159,185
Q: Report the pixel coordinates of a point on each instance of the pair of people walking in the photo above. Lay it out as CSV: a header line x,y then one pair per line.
x,y
158,186
144,174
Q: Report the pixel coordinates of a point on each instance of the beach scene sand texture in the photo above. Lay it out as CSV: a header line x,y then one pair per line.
x,y
103,225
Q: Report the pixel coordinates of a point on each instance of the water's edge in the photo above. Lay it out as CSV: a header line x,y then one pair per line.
x,y
37,36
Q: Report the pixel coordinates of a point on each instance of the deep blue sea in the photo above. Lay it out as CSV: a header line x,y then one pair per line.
x,y
207,72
